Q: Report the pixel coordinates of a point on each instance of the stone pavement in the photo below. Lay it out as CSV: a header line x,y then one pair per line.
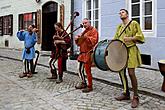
x,y
150,81
38,93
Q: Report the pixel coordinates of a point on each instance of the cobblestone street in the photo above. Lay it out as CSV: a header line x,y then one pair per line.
x,y
39,93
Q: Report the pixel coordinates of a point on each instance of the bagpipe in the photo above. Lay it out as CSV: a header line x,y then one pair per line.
x,y
61,44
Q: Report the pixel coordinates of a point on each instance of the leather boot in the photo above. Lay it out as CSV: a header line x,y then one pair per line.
x,y
87,89
29,75
123,97
135,102
81,86
59,80
54,74
23,75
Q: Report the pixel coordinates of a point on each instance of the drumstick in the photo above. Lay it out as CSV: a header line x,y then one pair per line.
x,y
92,49
89,51
122,44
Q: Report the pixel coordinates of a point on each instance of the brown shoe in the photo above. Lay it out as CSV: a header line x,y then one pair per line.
x,y
54,74
123,97
135,102
52,77
29,75
81,86
87,89
23,75
59,81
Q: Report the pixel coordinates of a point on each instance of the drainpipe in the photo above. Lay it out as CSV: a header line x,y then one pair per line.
x,y
73,55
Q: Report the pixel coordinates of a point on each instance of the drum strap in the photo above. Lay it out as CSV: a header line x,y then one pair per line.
x,y
87,52
125,28
131,46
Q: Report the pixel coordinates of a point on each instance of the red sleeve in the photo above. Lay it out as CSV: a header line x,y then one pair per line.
x,y
92,38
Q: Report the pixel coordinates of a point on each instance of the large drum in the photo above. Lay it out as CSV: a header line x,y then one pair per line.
x,y
161,65
111,55
99,55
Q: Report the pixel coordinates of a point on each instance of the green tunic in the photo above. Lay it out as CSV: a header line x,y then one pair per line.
x,y
134,57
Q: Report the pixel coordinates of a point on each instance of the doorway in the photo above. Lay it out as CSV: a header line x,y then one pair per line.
x,y
49,17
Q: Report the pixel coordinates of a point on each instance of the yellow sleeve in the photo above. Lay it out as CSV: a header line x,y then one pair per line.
x,y
139,35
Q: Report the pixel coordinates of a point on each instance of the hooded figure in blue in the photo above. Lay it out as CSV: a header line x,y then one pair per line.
x,y
28,54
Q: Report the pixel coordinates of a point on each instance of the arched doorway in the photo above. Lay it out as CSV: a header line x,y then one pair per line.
x,y
49,17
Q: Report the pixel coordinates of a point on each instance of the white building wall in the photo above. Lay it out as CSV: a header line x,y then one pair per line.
x,y
67,12
16,7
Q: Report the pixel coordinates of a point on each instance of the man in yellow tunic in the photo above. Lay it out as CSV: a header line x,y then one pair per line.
x,y
131,36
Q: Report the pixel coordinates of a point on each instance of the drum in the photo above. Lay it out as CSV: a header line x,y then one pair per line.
x,y
117,55
111,55
99,55
161,65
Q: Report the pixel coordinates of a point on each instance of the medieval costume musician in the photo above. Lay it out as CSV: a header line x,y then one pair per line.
x,y
87,41
28,53
61,43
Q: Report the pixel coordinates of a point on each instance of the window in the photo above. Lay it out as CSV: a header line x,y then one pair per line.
x,y
6,25
142,12
26,19
92,12
1,26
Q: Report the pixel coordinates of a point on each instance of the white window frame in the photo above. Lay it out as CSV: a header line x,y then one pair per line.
x,y
92,12
147,33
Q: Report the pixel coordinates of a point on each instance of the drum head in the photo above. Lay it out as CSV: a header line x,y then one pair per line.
x,y
117,55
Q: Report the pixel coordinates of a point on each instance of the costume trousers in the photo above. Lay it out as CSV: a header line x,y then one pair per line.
x,y
87,67
26,63
81,73
51,63
124,81
61,66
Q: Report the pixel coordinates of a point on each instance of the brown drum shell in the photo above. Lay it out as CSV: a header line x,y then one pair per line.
x,y
162,68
